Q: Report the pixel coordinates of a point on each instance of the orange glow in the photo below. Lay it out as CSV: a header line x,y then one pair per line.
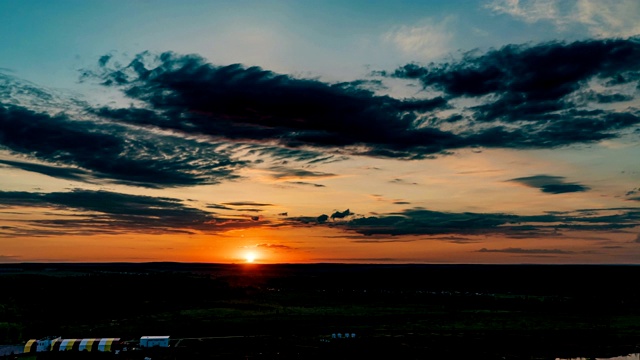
x,y
250,257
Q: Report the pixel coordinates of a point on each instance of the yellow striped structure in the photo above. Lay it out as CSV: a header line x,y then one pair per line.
x,y
30,346
90,344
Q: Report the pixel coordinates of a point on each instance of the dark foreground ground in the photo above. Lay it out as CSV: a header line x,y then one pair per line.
x,y
291,311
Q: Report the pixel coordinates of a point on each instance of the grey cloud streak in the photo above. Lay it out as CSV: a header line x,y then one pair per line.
x,y
93,212
527,251
50,170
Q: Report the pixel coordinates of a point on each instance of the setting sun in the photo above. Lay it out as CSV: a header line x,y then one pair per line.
x,y
250,257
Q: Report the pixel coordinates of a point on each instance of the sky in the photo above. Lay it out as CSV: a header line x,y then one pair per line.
x,y
484,132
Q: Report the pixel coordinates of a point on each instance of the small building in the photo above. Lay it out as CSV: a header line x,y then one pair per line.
x,y
154,341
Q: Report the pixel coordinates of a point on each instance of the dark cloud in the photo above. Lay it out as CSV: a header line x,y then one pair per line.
x,y
305,183
112,152
524,74
90,212
282,154
455,239
402,182
20,92
240,206
550,184
51,170
632,194
185,93
377,239
104,59
423,222
533,87
527,251
246,203
419,221
218,206
365,259
528,96
341,214
603,98
381,238
282,172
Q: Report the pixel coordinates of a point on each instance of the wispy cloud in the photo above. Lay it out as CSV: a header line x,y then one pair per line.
x,y
530,10
286,173
52,170
9,258
274,247
527,251
615,18
246,203
305,183
610,18
428,40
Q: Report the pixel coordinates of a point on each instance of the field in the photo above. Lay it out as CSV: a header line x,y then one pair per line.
x,y
292,311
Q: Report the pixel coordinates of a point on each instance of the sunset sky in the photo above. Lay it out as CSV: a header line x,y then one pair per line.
x,y
320,131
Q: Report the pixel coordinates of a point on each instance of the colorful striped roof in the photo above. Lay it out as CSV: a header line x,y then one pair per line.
x,y
90,344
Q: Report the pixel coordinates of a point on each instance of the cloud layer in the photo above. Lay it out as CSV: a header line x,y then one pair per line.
x,y
192,121
419,221
195,123
91,212
82,149
187,94
94,212
534,96
525,96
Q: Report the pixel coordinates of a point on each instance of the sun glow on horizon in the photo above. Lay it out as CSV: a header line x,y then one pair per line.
x,y
250,257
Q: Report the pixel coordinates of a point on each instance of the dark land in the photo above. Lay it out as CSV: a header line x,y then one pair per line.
x,y
287,311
